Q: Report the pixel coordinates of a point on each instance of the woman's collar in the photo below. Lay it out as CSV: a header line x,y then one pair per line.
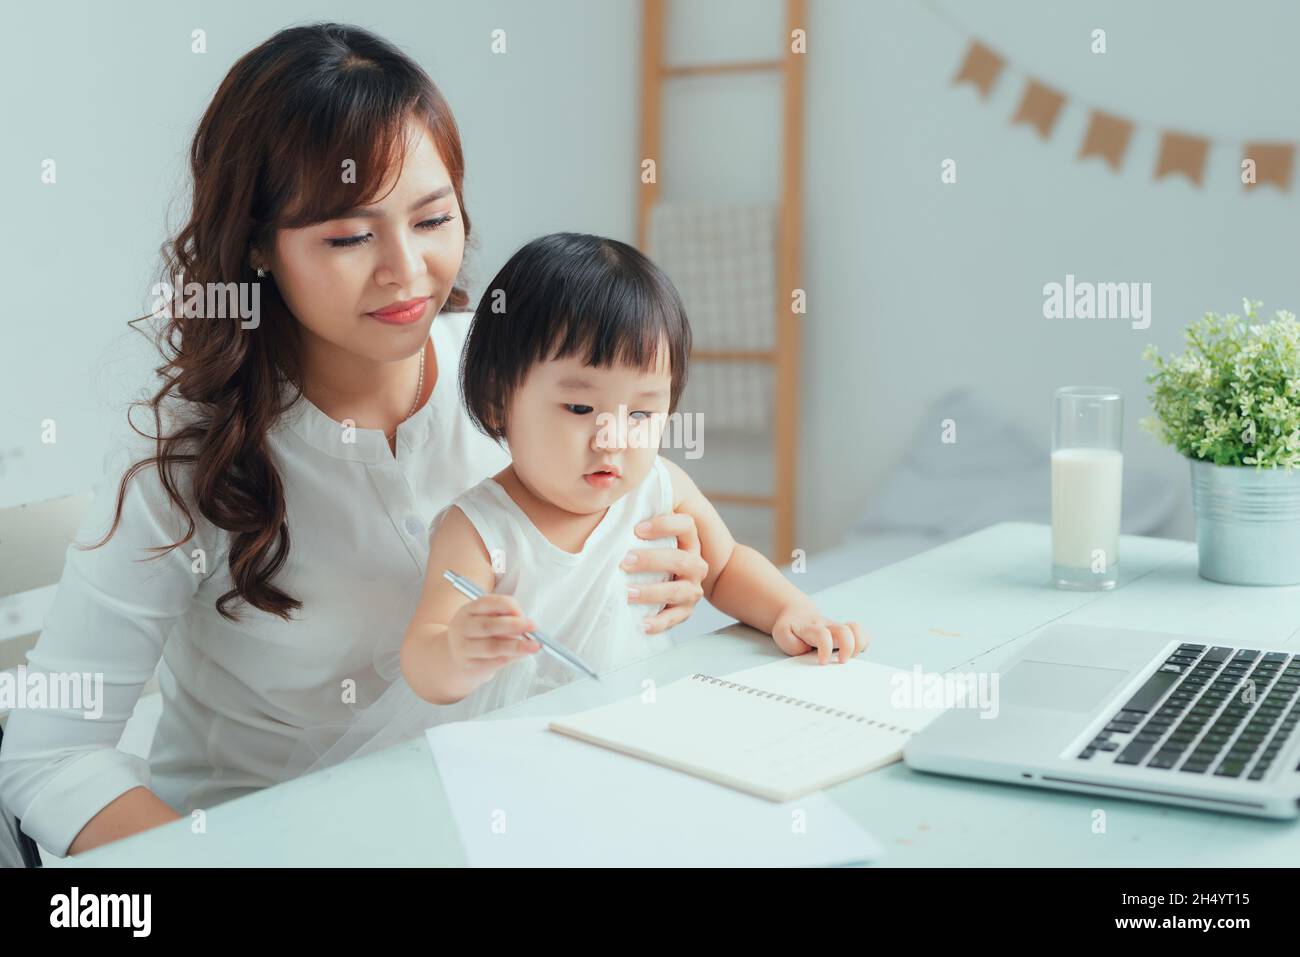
x,y
305,419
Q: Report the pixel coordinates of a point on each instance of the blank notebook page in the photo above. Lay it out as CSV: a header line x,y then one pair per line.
x,y
778,731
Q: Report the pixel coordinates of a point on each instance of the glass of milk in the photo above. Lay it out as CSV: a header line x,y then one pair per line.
x,y
1087,477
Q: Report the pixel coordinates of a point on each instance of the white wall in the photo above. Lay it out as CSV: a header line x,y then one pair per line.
x,y
914,286
920,286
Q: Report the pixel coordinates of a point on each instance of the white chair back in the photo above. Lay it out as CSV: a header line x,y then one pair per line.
x,y
34,542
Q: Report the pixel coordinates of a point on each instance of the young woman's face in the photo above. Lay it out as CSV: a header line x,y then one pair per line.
x,y
568,421
335,276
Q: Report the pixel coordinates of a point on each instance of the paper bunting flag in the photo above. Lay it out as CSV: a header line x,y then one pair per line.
x,y
1039,108
1107,137
1273,163
1180,153
981,68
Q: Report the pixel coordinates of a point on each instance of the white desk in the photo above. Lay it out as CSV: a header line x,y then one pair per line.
x,y
969,603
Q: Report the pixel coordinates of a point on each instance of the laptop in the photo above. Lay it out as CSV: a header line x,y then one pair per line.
x,y
1199,722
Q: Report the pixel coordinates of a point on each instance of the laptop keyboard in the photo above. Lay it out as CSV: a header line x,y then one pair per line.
x,y
1207,710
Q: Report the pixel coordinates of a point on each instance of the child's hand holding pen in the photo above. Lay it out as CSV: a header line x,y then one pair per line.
x,y
488,633
444,663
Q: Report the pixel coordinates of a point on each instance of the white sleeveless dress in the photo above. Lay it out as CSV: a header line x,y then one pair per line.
x,y
579,599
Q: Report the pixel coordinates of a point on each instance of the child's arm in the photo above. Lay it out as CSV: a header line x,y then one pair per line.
x,y
742,583
452,644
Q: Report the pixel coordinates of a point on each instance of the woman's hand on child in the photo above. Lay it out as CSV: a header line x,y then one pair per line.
x,y
801,628
487,633
683,563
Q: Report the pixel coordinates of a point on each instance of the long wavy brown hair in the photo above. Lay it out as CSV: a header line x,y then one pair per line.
x,y
267,155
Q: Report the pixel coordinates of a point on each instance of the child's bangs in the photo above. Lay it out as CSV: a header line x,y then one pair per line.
x,y
617,324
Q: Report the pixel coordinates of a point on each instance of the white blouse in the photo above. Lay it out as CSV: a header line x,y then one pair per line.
x,y
238,696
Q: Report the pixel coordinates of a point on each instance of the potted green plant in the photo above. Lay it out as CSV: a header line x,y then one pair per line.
x,y
1231,405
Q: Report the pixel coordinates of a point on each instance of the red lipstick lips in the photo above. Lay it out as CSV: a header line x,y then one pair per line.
x,y
401,313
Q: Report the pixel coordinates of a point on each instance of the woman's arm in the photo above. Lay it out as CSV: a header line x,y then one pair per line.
x,y
137,810
60,768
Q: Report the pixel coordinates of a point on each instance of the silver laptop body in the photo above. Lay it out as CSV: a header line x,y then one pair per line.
x,y
1200,722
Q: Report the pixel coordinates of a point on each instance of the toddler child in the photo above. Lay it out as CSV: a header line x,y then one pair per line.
x,y
576,356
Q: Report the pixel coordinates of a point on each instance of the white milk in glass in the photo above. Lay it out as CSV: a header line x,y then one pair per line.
x,y
1086,488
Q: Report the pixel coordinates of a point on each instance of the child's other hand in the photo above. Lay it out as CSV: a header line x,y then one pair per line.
x,y
487,633
801,628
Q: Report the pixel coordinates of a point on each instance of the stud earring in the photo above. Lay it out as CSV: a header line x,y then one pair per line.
x,y
260,272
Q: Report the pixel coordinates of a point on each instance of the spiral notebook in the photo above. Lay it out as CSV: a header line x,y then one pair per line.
x,y
777,731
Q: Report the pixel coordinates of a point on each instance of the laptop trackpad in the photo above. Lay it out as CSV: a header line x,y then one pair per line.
x,y
1042,684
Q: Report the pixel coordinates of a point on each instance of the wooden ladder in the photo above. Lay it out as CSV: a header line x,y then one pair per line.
x,y
785,356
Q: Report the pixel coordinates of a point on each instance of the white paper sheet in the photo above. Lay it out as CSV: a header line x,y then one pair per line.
x,y
524,796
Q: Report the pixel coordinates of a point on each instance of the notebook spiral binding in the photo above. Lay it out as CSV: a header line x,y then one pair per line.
x,y
798,702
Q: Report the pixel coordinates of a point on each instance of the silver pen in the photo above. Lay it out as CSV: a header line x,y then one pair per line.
x,y
472,591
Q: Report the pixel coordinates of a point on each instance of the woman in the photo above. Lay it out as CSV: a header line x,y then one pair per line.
x,y
269,541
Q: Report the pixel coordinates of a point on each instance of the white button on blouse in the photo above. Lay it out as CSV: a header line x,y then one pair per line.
x,y
237,696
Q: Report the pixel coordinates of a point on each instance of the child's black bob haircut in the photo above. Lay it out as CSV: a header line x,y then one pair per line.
x,y
569,294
